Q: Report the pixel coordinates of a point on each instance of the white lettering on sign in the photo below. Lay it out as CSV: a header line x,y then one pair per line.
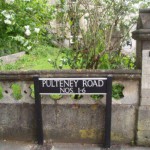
x,y
81,90
59,83
76,83
66,90
73,85
93,83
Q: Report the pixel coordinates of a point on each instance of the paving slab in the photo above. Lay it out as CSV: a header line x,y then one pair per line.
x,y
94,147
11,145
5,145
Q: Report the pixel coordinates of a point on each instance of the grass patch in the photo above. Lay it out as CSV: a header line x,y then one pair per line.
x,y
32,91
1,92
37,59
16,91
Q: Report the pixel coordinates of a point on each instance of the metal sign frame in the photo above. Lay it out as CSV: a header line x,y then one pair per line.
x,y
38,107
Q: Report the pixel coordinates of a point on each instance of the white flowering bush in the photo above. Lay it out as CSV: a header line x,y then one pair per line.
x,y
23,24
97,30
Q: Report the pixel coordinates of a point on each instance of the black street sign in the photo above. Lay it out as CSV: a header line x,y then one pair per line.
x,y
72,86
66,86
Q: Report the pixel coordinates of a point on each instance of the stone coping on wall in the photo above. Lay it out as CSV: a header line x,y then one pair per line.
x,y
28,75
141,34
144,10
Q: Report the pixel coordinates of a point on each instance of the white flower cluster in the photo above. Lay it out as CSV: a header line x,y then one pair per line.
x,y
27,45
63,60
28,31
29,8
9,17
49,60
19,39
22,41
9,1
37,30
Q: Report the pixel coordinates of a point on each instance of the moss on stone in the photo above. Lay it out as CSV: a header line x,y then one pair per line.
x,y
88,134
117,137
94,107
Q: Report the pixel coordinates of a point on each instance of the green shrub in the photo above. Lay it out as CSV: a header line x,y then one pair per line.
x,y
16,88
23,24
117,60
97,97
32,90
56,96
117,91
1,92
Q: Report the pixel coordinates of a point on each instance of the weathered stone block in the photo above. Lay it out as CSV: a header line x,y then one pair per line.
x,y
74,123
145,93
145,19
17,122
11,58
146,70
86,99
130,92
145,101
123,119
143,138
144,119
143,134
146,45
145,54
145,62
67,122
145,81
85,123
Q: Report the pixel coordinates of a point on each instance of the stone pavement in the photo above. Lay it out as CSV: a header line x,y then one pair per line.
x,y
7,145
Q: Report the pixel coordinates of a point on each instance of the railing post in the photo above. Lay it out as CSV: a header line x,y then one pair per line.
x,y
107,142
38,111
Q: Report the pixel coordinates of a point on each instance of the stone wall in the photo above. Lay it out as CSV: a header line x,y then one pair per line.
x,y
68,120
142,35
11,58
